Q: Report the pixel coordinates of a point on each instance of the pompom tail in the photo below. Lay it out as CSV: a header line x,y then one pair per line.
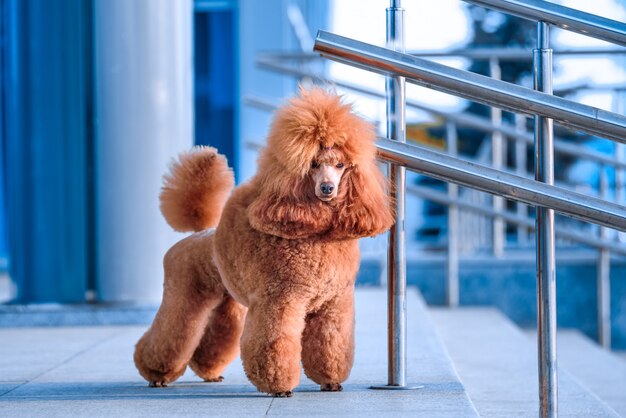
x,y
196,189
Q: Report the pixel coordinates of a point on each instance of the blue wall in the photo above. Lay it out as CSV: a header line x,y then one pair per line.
x,y
215,77
3,237
46,144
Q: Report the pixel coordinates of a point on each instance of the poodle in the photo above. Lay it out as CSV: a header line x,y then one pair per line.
x,y
269,271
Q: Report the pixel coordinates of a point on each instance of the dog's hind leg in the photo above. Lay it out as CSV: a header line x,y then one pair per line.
x,y
220,344
328,342
163,352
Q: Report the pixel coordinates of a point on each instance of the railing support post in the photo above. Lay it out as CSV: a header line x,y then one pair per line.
x,y
497,161
520,170
396,280
620,157
452,270
396,129
603,274
546,270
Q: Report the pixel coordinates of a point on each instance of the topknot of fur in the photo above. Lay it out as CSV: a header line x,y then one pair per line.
x,y
314,120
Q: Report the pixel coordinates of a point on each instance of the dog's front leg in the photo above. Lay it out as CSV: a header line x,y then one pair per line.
x,y
328,342
271,346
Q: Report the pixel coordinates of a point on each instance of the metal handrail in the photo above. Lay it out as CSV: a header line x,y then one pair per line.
x,y
513,218
564,17
511,54
472,86
472,121
487,179
503,54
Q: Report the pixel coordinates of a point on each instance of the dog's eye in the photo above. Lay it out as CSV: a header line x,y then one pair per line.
x,y
315,164
340,165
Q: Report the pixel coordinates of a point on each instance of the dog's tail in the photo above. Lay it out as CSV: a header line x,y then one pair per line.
x,y
195,190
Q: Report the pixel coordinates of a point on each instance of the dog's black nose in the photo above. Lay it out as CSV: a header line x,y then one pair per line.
x,y
327,188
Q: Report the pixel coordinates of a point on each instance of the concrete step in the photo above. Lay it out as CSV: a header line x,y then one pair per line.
x,y
600,370
509,283
497,364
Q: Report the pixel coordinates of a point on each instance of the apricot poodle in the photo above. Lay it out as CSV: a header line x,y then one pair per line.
x,y
275,278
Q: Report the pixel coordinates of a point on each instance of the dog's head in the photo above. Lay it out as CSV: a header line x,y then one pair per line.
x,y
317,175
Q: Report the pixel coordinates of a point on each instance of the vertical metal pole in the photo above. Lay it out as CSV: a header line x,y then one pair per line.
x,y
396,281
546,275
396,129
620,156
520,170
452,288
603,277
497,144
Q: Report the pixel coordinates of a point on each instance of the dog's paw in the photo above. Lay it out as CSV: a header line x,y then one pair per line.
x,y
214,379
331,387
287,394
157,384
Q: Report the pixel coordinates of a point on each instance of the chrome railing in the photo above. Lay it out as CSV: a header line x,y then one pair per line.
x,y
539,102
502,183
275,62
564,17
472,86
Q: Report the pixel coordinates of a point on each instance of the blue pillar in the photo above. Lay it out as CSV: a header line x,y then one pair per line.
x,y
46,52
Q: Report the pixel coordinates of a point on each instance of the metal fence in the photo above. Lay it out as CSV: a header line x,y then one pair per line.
x,y
542,105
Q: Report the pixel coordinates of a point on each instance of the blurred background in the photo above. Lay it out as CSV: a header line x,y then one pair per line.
x,y
98,96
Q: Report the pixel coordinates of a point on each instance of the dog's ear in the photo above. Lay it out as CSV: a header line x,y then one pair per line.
x,y
289,217
365,208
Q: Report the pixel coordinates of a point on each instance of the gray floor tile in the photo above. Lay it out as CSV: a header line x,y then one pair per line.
x,y
90,372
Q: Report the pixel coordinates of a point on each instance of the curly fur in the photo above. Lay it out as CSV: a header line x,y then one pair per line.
x,y
275,279
196,189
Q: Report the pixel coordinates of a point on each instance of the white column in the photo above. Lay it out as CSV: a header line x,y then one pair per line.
x,y
144,117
